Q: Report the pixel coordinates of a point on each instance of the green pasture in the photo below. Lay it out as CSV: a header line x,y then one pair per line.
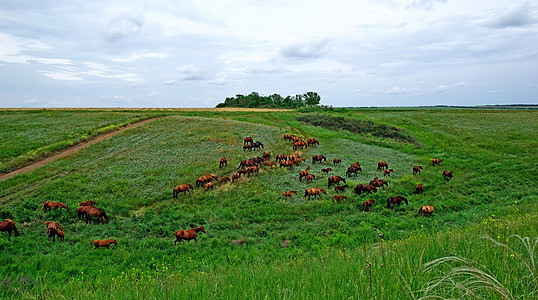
x,y
131,177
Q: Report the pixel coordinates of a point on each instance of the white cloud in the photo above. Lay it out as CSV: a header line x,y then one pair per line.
x,y
123,27
516,16
306,49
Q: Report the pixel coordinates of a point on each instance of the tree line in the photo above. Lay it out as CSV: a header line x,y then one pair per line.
x,y
254,99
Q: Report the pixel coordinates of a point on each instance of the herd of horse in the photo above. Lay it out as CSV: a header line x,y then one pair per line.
x,y
88,212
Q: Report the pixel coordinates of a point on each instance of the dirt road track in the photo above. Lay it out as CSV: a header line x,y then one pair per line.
x,y
71,150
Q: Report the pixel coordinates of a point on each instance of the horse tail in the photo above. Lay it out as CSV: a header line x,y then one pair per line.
x,y
92,242
115,243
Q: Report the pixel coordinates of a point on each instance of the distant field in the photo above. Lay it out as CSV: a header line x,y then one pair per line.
x,y
131,177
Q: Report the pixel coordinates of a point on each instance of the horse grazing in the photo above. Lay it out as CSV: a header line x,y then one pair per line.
x,y
96,213
335,180
223,162
341,188
427,209
209,186
299,144
310,177
303,173
257,145
319,158
419,189
288,194
48,205
61,235
186,187
288,137
352,170
188,235
312,142
9,226
387,172
382,165
281,157
416,169
248,140
336,161
379,183
447,175
247,147
104,243
436,161
359,188
339,198
315,192
87,203
287,163
326,170
224,179
269,163
52,229
367,204
202,180
396,200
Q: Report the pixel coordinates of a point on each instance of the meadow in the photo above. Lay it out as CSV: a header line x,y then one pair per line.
x,y
334,250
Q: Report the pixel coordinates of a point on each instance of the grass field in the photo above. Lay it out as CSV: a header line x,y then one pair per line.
x,y
334,251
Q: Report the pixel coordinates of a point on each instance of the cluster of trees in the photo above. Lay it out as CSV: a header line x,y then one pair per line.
x,y
254,99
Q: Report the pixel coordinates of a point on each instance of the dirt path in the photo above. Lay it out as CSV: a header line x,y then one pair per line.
x,y
73,149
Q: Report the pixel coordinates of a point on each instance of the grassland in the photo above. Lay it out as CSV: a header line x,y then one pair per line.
x,y
334,251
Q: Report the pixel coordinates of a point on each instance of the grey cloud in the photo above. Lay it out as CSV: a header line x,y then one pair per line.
x,y
312,49
190,73
517,16
123,27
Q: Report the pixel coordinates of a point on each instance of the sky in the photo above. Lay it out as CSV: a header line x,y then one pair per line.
x,y
353,53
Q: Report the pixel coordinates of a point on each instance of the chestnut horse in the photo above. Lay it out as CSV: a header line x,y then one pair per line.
x,y
235,177
436,161
52,229
396,200
339,198
315,192
202,180
186,187
209,186
352,170
98,214
303,173
368,204
9,226
379,183
310,177
223,162
365,188
248,140
87,203
288,194
281,157
447,175
48,205
427,209
326,170
420,189
188,235
224,179
269,163
387,172
336,161
318,158
382,165
61,235
104,243
416,169
312,142
341,188
299,144
335,180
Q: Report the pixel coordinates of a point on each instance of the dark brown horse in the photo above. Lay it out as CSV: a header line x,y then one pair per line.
x,y
186,187
335,180
382,165
436,161
336,161
224,179
87,203
96,213
352,170
104,243
318,158
419,189
299,144
379,183
61,235
326,170
269,163
312,142
339,198
9,226
281,157
288,194
368,204
396,200
427,209
359,188
48,205
447,174
303,173
188,235
223,162
288,137
416,169
341,188
314,192
287,163
235,177
248,140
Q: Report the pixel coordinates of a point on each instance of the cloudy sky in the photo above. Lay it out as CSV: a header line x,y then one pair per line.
x,y
196,53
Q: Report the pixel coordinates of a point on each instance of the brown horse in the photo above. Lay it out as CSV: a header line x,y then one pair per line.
x,y
379,183
223,162
312,142
224,179
81,211
447,175
419,189
186,187
310,177
315,192
287,163
266,155
252,170
188,235
202,180
416,169
61,235
427,209
288,137
335,180
248,140
86,203
235,177
326,170
352,170
341,188
336,161
48,205
318,158
387,172
299,144
288,194
436,161
52,229
367,204
96,213
396,200
339,198
382,165
269,163
104,243
359,188
281,157
209,186
303,173
9,226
